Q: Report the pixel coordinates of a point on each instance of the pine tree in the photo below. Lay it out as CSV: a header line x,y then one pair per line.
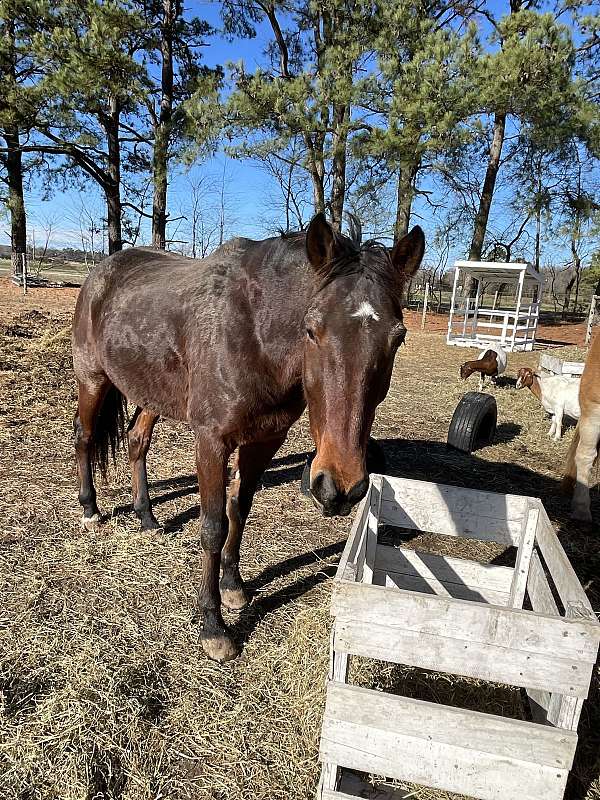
x,y
424,92
527,81
310,89
92,82
173,43
20,99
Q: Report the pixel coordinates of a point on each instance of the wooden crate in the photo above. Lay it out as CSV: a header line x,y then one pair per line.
x,y
551,365
465,618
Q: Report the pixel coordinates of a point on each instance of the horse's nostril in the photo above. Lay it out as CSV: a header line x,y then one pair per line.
x,y
324,489
358,491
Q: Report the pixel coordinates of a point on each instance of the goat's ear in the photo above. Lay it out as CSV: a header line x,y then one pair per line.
x,y
320,243
408,252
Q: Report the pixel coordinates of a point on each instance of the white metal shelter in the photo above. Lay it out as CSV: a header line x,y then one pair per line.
x,y
473,323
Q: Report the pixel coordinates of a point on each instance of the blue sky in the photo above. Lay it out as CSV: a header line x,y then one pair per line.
x,y
248,191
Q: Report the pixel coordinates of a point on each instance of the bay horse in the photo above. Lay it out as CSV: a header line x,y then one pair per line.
x,y
237,345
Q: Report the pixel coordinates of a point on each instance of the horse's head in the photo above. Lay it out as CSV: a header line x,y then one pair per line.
x,y
353,328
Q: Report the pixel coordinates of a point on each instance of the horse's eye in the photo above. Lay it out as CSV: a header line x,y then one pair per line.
x,y
311,334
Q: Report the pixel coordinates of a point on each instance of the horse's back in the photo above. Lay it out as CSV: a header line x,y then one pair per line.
x,y
142,314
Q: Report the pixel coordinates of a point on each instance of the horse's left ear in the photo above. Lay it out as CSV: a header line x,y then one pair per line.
x,y
408,252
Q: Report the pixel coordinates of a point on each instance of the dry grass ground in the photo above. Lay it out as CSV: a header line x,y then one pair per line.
x,y
105,690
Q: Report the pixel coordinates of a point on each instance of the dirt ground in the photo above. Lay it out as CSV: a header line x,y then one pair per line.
x,y
105,691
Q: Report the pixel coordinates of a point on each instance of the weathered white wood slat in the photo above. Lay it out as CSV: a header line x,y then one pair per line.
x,y
351,554
445,568
538,589
466,620
542,601
372,524
428,584
519,582
328,780
564,576
477,754
458,656
338,659
453,511
562,711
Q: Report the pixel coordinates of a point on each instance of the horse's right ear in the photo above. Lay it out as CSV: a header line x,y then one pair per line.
x,y
408,252
320,241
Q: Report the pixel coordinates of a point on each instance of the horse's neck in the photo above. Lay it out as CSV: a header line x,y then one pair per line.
x,y
286,316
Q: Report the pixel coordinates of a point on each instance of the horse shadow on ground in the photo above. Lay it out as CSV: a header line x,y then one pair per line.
x,y
281,471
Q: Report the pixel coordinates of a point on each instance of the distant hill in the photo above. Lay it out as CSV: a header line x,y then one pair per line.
x,y
58,255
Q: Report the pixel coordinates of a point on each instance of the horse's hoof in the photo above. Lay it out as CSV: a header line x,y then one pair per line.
x,y
150,524
234,599
220,648
90,523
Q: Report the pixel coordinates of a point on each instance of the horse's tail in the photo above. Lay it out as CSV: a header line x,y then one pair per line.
x,y
109,430
570,477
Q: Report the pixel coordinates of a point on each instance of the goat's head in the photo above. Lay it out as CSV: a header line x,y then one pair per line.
x,y
525,377
466,370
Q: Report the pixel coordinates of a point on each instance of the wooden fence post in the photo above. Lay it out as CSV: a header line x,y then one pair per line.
x,y
425,302
590,325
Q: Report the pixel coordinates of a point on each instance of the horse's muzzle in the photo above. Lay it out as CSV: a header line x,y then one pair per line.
x,y
333,501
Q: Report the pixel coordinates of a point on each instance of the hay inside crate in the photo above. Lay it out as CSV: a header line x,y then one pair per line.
x,y
465,618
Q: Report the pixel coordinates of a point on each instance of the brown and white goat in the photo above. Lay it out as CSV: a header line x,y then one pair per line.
x,y
558,395
584,448
491,362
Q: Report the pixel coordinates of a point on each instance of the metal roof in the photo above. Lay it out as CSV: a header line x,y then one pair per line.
x,y
500,271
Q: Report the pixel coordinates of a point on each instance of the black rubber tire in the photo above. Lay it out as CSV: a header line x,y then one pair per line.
x,y
375,463
473,423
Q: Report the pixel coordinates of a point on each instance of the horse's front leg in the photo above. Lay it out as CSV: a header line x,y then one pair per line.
x,y
211,463
251,462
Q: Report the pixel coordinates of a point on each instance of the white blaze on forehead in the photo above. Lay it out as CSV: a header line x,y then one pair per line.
x,y
366,310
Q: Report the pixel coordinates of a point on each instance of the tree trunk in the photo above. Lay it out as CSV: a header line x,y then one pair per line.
x,y
16,202
317,175
339,146
406,193
487,192
13,163
567,297
113,218
577,267
162,131
112,187
322,28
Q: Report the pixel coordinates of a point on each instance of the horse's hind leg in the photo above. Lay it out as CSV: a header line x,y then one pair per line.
x,y
589,434
252,460
139,435
89,404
